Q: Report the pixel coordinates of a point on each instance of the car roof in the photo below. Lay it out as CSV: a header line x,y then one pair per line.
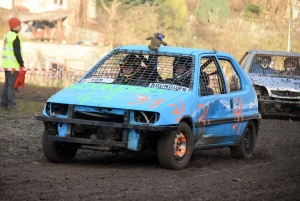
x,y
273,52
168,49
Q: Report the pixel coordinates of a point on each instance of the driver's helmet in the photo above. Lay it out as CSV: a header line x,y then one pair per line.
x,y
290,64
265,61
130,61
182,63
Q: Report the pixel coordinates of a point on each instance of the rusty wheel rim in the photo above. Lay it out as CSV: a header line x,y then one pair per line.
x,y
179,145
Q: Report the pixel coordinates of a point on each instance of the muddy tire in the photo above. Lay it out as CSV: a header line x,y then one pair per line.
x,y
246,146
175,149
55,152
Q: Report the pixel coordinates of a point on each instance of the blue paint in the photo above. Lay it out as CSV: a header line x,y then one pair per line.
x,y
62,129
133,140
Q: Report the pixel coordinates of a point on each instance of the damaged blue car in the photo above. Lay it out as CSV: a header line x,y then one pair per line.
x,y
172,101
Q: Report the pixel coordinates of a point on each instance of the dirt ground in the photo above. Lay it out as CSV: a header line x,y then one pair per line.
x,y
25,174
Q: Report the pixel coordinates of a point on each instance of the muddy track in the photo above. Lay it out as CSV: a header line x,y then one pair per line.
x,y
25,174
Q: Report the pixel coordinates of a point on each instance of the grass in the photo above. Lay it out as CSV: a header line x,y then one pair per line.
x,y
26,107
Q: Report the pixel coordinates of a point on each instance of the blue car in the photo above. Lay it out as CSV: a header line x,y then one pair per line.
x,y
173,101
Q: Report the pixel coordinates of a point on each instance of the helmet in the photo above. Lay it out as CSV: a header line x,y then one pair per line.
x,y
291,64
182,62
130,66
130,60
265,61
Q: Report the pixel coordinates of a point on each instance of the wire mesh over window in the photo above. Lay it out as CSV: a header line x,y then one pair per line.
x,y
275,64
168,71
211,79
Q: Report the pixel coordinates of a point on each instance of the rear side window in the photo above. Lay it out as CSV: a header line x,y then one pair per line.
x,y
232,79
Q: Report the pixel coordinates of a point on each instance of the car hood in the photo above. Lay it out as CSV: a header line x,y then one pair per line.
x,y
277,82
115,96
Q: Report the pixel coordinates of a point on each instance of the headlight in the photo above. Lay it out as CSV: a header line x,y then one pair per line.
x,y
146,117
57,108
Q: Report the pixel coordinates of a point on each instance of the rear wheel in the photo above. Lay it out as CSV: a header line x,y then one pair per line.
x,y
246,146
175,149
55,151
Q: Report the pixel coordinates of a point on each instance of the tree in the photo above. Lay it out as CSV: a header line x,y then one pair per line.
x,y
214,11
112,14
126,4
174,13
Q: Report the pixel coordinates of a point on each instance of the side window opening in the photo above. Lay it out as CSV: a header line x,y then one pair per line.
x,y
211,79
232,79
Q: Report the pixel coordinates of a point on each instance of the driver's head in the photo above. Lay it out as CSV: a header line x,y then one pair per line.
x,y
290,64
264,61
182,67
129,64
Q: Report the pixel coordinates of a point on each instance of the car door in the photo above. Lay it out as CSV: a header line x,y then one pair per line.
x,y
220,102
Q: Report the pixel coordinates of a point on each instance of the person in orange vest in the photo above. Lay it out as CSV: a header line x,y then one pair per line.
x,y
12,62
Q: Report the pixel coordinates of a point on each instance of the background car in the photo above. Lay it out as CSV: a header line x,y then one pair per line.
x,y
172,101
276,78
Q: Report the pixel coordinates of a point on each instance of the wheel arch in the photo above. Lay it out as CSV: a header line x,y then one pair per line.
x,y
261,90
257,123
188,120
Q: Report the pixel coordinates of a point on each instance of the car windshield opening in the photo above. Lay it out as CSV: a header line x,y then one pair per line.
x,y
168,71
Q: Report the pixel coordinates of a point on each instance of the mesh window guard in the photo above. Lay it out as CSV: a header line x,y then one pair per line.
x,y
211,79
275,64
169,71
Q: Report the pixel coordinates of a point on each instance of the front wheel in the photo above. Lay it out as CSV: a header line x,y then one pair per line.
x,y
175,149
246,146
55,152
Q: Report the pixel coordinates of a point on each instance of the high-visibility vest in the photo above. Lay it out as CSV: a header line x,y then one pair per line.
x,y
9,60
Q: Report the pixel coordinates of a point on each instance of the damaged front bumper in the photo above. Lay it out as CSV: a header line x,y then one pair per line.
x,y
279,107
131,137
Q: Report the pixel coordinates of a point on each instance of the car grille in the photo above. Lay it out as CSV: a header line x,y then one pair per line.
x,y
286,93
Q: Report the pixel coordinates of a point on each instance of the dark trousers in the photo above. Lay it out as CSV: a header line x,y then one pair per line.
x,y
8,91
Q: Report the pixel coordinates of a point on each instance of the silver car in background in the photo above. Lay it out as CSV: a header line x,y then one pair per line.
x,y
276,78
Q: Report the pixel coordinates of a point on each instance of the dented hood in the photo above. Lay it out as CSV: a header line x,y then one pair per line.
x,y
116,96
277,82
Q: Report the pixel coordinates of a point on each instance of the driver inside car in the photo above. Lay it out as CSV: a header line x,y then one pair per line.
x,y
130,68
291,66
261,64
138,70
182,71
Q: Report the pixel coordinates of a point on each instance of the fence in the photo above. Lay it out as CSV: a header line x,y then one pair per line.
x,y
57,76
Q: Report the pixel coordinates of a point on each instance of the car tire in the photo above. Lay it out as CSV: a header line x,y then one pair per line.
x,y
175,149
246,146
55,152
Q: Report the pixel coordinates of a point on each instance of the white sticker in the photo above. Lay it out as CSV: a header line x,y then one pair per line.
x,y
168,86
103,80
